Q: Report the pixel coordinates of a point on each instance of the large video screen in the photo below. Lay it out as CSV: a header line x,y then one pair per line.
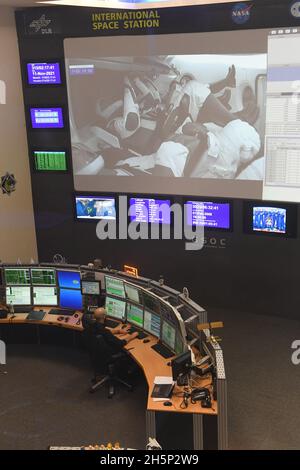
x,y
197,114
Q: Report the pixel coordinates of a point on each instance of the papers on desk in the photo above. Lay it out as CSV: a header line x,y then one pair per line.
x,y
163,388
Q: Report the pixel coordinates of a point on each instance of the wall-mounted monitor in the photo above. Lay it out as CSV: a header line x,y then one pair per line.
x,y
274,219
150,211
44,296
17,276
18,295
50,160
43,277
69,279
90,287
269,219
47,118
43,73
70,298
213,215
95,207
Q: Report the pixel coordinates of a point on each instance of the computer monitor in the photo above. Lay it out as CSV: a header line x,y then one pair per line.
x,y
135,315
17,276
43,277
181,365
44,296
152,323
50,160
168,335
70,298
269,219
278,220
18,295
115,308
90,287
114,286
47,118
214,214
151,302
95,207
150,211
179,344
43,73
69,279
132,293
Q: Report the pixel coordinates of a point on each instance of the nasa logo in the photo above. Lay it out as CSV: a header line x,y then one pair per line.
x,y
295,9
241,12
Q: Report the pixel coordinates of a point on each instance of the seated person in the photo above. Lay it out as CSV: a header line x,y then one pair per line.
x,y
200,152
94,325
200,105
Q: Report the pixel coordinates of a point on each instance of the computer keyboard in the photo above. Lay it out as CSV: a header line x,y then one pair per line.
x,y
111,323
162,350
36,315
20,309
141,334
61,311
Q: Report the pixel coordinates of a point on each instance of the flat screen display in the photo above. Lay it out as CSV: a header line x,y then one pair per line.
x,y
150,211
152,323
18,295
135,315
277,220
69,279
115,308
43,276
198,114
269,219
17,276
45,296
114,286
50,160
46,118
43,73
95,208
208,214
70,298
90,287
132,293
168,335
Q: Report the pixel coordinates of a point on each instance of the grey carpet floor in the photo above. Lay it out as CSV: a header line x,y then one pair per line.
x,y
44,399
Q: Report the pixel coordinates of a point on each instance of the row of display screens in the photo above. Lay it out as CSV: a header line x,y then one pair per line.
x,y
151,322
44,285
268,218
47,287
124,301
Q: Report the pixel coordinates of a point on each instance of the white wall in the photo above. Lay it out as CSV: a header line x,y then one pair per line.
x,y
17,231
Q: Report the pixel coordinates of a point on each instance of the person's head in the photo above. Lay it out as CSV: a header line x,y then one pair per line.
x,y
187,77
100,314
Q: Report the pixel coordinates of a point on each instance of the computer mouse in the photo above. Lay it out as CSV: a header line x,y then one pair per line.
x,y
167,403
146,340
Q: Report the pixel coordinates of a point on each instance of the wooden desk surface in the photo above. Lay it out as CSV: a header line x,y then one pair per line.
x,y
149,360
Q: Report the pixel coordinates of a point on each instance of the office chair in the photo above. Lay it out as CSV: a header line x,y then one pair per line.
x,y
102,358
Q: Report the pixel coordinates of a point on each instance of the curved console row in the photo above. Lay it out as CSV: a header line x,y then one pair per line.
x,y
61,292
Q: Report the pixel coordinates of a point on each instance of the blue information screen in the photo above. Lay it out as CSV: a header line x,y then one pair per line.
x,y
69,279
69,298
